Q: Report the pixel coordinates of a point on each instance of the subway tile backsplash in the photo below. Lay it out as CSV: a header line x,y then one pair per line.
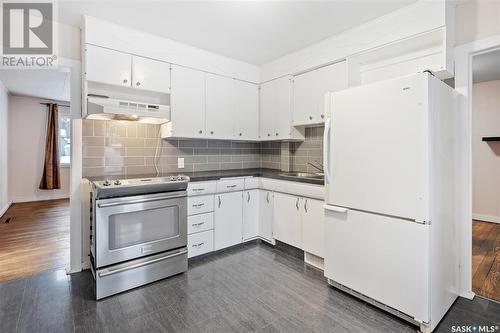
x,y
127,148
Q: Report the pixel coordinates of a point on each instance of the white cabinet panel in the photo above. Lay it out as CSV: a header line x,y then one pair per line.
x,y
230,185
246,110
200,222
201,188
200,243
228,219
108,66
220,111
187,102
266,215
251,204
391,266
309,91
287,226
275,117
200,204
150,74
313,227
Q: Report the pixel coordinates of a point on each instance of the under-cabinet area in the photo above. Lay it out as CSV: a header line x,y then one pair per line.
x,y
230,211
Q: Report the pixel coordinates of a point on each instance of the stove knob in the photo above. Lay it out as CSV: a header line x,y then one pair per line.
x,y
106,183
118,182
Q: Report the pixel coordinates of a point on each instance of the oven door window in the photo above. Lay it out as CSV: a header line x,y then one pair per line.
x,y
140,227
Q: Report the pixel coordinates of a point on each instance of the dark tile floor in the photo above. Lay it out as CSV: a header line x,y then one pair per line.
x,y
253,287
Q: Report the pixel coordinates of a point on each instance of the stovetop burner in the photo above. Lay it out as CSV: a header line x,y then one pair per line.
x,y
128,187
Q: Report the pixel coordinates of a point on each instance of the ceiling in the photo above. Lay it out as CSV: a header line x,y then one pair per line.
x,y
47,84
486,67
252,31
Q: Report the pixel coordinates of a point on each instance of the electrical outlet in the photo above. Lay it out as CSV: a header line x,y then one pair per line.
x,y
180,162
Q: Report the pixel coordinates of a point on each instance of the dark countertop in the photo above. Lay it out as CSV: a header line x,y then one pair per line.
x,y
216,175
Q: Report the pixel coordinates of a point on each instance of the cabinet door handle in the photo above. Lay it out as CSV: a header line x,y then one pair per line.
x,y
219,201
137,83
267,198
305,205
198,224
198,189
248,196
125,80
198,245
198,205
297,204
231,186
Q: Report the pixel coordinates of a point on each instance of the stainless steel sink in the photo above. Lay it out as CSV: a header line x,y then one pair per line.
x,y
306,175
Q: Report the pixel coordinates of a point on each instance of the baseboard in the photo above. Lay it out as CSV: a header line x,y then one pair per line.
x,y
32,199
5,208
469,295
486,218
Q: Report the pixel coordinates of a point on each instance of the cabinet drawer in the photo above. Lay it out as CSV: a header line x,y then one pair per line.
x,y
251,183
200,204
230,185
200,243
200,222
201,188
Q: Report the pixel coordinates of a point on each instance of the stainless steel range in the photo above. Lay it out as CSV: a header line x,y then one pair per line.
x,y
139,231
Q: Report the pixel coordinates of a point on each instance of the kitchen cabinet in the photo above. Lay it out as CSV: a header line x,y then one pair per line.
x,y
251,202
313,227
220,115
187,103
228,219
149,74
108,66
287,226
246,110
275,111
309,92
266,215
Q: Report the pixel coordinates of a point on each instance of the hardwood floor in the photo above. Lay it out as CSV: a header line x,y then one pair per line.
x,y
35,240
486,259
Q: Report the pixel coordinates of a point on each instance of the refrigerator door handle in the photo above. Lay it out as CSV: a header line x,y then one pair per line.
x,y
326,150
335,209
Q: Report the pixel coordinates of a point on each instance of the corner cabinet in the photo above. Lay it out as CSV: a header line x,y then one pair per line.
x,y
266,202
309,91
246,109
275,111
251,208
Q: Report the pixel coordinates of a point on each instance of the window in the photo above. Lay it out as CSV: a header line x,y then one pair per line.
x,y
65,139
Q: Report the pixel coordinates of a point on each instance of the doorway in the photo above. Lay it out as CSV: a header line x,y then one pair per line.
x,y
35,223
485,137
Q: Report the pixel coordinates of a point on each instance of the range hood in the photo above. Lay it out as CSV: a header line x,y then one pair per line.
x,y
118,109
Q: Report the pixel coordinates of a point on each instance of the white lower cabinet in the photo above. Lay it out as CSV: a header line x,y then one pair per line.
x,y
266,215
313,227
200,222
200,243
228,219
251,202
287,226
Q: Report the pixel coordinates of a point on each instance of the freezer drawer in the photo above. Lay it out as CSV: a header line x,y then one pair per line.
x,y
384,258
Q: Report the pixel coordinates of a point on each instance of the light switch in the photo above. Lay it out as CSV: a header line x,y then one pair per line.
x,y
180,162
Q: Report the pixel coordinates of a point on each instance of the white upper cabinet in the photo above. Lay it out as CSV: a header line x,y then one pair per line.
x,y
220,110
108,66
150,75
309,92
246,107
275,114
187,103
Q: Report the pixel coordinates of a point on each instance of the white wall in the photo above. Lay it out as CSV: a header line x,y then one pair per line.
x,y
27,129
476,19
4,177
486,156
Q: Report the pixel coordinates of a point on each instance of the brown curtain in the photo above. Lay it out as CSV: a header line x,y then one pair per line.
x,y
51,178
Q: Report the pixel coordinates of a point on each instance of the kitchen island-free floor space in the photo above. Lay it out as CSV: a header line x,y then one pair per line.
x,y
486,259
253,287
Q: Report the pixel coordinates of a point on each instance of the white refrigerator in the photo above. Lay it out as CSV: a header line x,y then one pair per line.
x,y
390,153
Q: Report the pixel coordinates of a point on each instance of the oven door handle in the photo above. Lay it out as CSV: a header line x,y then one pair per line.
x,y
129,202
111,271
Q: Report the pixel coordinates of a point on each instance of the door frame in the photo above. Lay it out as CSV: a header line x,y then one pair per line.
x,y
463,84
